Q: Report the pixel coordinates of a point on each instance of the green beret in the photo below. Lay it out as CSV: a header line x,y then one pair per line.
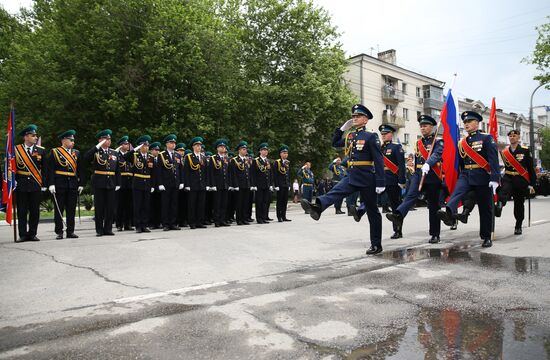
x,y
283,148
31,129
104,134
242,144
196,140
263,146
144,139
220,142
208,153
180,146
69,134
188,151
154,145
170,138
123,140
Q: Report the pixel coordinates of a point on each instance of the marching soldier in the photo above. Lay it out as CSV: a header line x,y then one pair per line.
x,y
182,194
338,173
219,182
65,182
143,167
31,176
479,171
262,183
240,180
170,181
430,168
518,180
195,178
124,195
308,182
156,208
281,177
105,181
366,173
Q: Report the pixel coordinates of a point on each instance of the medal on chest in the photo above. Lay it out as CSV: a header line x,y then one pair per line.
x,y
359,144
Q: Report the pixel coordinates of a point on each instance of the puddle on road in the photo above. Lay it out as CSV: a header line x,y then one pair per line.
x,y
461,254
449,334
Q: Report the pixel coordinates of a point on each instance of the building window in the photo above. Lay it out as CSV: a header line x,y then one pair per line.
x,y
418,113
405,114
418,92
406,139
404,88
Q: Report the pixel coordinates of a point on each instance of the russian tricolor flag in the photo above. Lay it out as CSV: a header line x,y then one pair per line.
x,y
451,137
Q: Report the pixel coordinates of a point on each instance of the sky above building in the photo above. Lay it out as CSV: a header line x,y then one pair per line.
x,y
483,42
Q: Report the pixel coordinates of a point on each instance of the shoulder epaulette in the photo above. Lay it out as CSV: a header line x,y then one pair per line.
x,y
162,152
40,147
525,147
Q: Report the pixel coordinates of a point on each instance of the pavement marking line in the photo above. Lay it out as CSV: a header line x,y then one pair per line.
x,y
168,292
540,221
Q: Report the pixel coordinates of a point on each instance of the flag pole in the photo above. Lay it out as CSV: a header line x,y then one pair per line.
x,y
13,199
14,217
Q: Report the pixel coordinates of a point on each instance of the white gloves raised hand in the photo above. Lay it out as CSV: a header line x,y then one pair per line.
x,y
402,186
51,188
493,185
380,189
138,147
425,169
100,144
161,188
347,125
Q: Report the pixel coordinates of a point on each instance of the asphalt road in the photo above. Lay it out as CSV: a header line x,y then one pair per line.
x,y
298,290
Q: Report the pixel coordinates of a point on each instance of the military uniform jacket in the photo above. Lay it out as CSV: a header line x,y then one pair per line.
x,y
394,153
338,172
281,173
143,169
31,173
433,160
64,169
362,147
240,173
261,176
485,146
125,168
523,156
218,172
169,169
195,172
105,170
306,175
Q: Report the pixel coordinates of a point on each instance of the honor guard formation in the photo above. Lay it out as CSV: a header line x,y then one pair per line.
x,y
145,187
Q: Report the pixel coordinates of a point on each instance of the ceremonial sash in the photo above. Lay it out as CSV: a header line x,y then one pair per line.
x,y
424,153
390,165
70,160
472,154
515,164
29,163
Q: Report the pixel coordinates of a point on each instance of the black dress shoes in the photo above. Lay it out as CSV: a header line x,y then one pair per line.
x,y
72,236
352,211
166,228
434,240
175,227
339,212
285,219
109,233
487,243
60,236
138,230
312,209
517,231
396,235
373,250
145,230
33,238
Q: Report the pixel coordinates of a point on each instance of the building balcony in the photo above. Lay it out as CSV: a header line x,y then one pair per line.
x,y
392,120
389,93
432,104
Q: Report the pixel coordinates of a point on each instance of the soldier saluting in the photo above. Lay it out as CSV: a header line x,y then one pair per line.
x,y
65,182
31,178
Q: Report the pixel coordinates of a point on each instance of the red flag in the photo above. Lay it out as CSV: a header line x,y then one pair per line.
x,y
8,182
493,123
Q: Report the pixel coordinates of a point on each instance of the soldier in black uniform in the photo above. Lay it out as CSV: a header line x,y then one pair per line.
x,y
281,179
31,177
240,182
218,175
262,183
105,181
124,195
209,195
170,181
232,194
143,167
518,180
195,179
182,194
155,208
65,182
251,194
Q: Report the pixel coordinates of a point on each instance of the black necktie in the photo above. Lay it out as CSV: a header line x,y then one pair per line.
x,y
29,151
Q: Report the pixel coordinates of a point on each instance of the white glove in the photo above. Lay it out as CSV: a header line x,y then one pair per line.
x,y
493,185
80,188
253,188
187,188
43,189
117,188
277,188
52,189
531,189
289,188
161,188
271,188
380,189
214,188
347,125
152,190
208,188
236,189
402,186
100,144
118,148
180,187
425,169
138,147
231,188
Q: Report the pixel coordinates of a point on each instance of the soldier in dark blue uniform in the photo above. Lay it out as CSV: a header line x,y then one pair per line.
x,y
195,179
281,180
182,194
262,183
479,171
105,181
239,169
519,179
65,182
429,167
209,195
338,173
31,177
170,181
155,208
308,182
124,212
366,173
219,182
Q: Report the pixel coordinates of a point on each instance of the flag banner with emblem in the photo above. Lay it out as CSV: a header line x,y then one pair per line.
x,y
451,137
8,181
493,123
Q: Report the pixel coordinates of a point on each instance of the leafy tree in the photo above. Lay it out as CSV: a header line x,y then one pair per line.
x,y
545,151
541,54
